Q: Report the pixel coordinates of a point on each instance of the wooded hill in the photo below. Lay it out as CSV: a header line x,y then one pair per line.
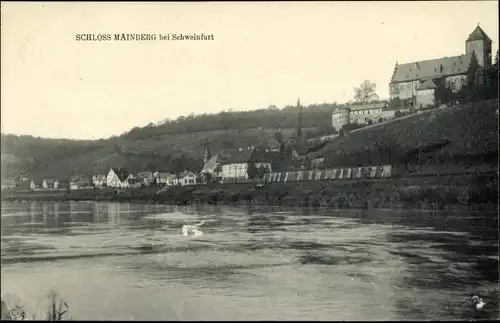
x,y
171,146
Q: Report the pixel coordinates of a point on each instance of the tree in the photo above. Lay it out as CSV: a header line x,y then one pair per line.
x,y
261,171
495,65
366,92
252,171
279,137
299,122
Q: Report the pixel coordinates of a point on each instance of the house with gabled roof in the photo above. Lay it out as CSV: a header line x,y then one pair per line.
x,y
98,180
116,177
213,165
237,165
33,184
160,178
146,177
80,182
188,178
50,183
453,73
9,183
172,180
132,182
361,113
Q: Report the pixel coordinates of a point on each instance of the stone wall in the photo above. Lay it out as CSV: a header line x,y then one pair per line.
x,y
384,171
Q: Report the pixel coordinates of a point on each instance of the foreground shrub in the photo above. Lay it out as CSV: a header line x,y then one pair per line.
x,y
13,309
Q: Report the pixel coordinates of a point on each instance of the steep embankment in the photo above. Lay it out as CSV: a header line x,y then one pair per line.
x,y
471,132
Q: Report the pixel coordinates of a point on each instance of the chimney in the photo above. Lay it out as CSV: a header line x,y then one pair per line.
x,y
441,68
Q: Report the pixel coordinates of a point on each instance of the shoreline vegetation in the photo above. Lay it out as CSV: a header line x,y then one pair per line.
x,y
14,309
433,191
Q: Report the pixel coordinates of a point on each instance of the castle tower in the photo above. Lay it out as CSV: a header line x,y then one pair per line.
x,y
207,155
480,44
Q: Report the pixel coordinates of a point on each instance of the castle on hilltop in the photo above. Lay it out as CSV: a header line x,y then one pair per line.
x,y
416,83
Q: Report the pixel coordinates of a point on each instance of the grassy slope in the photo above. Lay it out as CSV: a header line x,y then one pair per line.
x,y
472,129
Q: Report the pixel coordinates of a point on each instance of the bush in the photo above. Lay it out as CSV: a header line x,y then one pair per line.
x,y
57,309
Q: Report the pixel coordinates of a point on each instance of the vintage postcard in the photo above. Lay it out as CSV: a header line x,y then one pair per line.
x,y
249,160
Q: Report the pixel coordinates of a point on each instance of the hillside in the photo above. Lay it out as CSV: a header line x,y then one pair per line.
x,y
469,133
171,146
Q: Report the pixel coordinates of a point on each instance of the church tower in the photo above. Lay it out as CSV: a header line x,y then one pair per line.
x,y
207,155
480,44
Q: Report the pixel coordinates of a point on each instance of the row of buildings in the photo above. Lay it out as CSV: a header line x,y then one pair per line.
x,y
221,167
26,183
417,85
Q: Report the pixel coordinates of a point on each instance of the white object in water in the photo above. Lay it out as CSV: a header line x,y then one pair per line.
x,y
187,229
479,302
197,233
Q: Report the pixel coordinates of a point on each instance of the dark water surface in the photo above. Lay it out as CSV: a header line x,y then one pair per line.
x,y
130,261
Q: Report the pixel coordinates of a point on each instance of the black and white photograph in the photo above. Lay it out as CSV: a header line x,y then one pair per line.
x,y
250,161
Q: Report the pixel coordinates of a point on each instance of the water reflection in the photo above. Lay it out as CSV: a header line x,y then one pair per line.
x,y
420,265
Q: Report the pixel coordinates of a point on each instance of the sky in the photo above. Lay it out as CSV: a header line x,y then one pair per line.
x,y
262,54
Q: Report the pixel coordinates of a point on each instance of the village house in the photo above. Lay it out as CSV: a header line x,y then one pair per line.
x,y
132,182
160,178
171,180
24,186
34,185
416,84
80,182
23,179
8,184
187,178
317,163
236,166
116,177
358,113
99,180
212,165
50,183
146,177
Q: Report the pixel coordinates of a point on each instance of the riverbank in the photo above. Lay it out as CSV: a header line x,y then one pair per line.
x,y
478,191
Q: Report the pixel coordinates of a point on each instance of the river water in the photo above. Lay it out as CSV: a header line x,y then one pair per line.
x,y
123,261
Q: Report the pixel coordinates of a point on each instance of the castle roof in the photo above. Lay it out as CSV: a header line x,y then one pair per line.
x,y
478,34
432,68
